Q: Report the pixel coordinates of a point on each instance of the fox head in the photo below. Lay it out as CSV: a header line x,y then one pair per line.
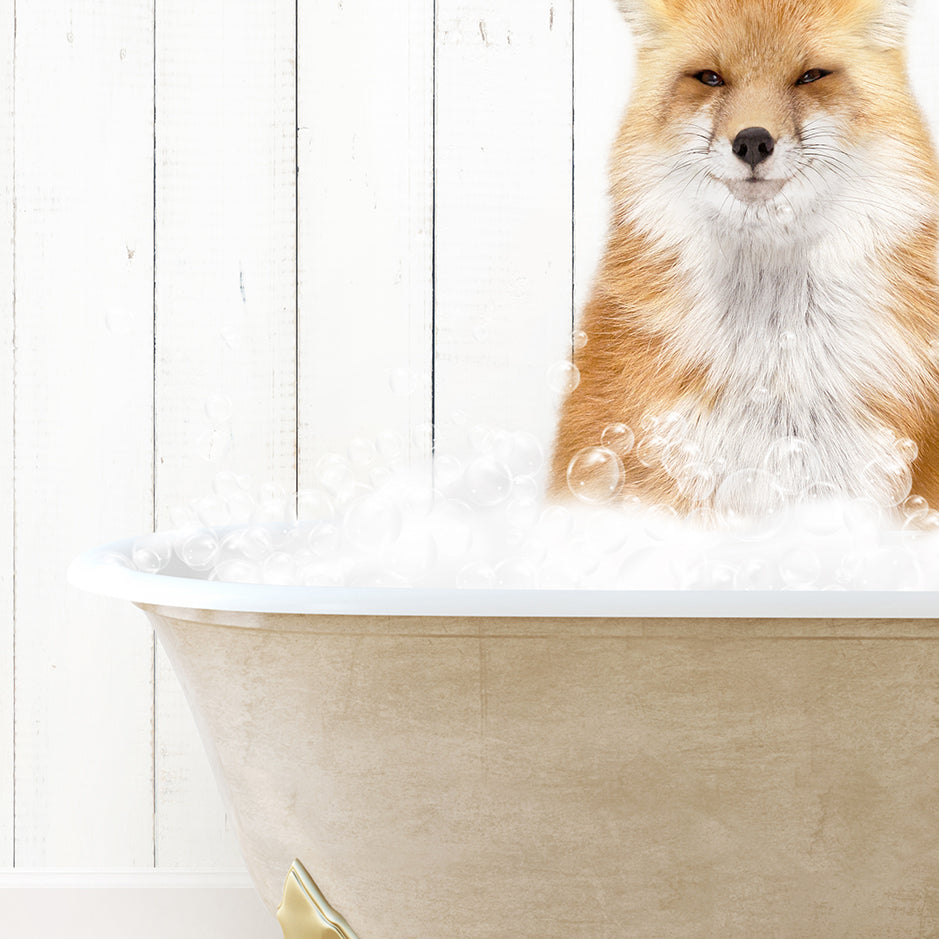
x,y
771,116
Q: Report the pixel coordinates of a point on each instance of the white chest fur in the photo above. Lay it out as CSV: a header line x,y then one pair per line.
x,y
796,340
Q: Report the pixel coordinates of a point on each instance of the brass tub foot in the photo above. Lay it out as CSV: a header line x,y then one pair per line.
x,y
304,913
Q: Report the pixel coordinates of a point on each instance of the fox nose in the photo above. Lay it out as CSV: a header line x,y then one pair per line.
x,y
754,145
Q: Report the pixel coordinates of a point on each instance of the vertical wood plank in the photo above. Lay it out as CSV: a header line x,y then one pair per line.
x,y
504,215
6,432
83,456
603,74
226,318
365,107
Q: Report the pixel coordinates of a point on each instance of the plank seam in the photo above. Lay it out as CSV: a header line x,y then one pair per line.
x,y
13,519
153,487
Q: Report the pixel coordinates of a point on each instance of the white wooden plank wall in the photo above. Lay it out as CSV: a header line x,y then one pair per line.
x,y
226,319
504,242
365,111
6,433
447,219
83,454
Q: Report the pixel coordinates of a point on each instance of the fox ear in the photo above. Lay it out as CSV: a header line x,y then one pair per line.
x,y
889,25
640,16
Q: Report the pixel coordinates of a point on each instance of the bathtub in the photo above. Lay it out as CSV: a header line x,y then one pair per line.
x,y
417,764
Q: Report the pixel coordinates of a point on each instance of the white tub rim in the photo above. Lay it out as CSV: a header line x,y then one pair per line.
x,y
96,572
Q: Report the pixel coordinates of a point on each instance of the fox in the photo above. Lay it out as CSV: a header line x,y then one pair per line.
x,y
764,319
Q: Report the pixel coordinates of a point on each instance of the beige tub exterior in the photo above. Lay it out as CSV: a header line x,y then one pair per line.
x,y
539,778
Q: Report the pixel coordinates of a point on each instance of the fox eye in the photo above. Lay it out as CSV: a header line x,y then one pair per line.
x,y
707,77
812,75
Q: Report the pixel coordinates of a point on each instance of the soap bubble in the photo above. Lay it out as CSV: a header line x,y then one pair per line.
x,y
372,522
747,501
563,378
696,482
679,455
794,462
481,438
595,475
321,575
650,450
619,438
906,449
390,446
324,540
253,543
213,511
888,482
580,340
218,408
488,481
152,553
236,571
313,505
332,471
520,452
760,395
915,509
413,554
198,549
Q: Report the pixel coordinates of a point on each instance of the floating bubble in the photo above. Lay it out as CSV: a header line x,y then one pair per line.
x,y
520,452
906,449
324,540
488,481
563,378
152,553
390,446
595,475
747,501
650,450
915,508
678,456
253,543
198,549
760,395
580,340
313,505
481,438
332,471
213,511
696,482
619,438
795,464
888,482
237,571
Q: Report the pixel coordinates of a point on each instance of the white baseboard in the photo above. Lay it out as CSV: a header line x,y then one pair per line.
x,y
142,904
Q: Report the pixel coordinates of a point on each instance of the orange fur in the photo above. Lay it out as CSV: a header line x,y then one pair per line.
x,y
631,366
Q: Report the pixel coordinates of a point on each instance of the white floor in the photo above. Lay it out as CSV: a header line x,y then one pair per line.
x,y
145,906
